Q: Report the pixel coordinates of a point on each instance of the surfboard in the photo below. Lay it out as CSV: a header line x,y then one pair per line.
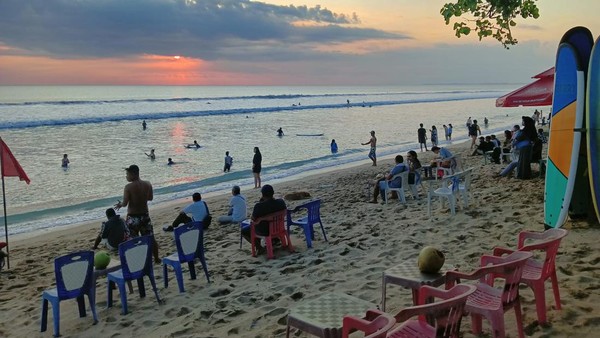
x,y
565,135
191,146
593,126
314,134
581,39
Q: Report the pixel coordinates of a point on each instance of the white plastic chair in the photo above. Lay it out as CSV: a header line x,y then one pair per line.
x,y
464,185
445,191
404,182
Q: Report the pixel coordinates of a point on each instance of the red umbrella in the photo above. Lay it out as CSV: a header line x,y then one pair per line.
x,y
538,93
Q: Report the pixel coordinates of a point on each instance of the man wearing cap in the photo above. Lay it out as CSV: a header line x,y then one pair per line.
x,y
136,195
266,206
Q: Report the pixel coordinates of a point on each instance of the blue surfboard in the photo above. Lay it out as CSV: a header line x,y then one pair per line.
x,y
565,135
581,39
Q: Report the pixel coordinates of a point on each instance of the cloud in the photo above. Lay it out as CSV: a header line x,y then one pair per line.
x,y
207,29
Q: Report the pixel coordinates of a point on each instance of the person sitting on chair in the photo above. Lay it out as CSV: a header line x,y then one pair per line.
x,y
396,183
267,205
198,209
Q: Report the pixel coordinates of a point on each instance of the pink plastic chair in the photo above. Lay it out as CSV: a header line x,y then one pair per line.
x,y
537,272
276,230
491,302
437,319
375,324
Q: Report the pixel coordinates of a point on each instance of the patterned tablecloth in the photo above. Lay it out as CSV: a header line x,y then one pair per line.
x,y
407,274
323,316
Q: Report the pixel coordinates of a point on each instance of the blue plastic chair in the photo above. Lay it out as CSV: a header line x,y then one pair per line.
x,y
74,274
189,240
313,217
136,262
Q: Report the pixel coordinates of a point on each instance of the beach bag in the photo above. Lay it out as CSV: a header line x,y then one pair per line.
x,y
207,219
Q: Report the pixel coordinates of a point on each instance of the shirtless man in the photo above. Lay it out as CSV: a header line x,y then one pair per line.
x,y
373,143
136,195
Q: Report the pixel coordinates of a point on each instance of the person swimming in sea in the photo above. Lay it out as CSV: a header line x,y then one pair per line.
x,y
170,161
279,132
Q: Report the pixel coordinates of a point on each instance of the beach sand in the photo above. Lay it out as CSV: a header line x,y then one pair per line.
x,y
250,297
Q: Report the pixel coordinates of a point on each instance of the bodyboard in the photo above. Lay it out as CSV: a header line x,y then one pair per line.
x,y
565,135
581,39
593,126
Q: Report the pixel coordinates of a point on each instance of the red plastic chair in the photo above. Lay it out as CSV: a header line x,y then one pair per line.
x,y
276,230
375,324
537,272
443,317
491,302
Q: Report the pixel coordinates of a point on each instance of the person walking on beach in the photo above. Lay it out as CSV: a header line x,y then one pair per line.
x,y
334,147
65,161
485,122
373,143
449,131
144,125
136,195
469,122
152,156
422,135
474,131
446,132
228,162
256,167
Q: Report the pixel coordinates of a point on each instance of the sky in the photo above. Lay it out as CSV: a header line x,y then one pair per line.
x,y
271,42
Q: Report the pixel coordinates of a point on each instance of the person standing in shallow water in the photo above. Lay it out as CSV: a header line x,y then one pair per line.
x,y
257,167
373,143
334,147
144,125
65,161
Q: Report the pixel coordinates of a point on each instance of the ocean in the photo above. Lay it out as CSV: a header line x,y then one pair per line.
x,y
100,128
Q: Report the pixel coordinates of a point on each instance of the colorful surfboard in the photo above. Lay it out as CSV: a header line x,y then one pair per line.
x,y
593,126
565,134
581,39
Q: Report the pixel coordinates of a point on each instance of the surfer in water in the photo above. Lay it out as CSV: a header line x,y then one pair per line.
x,y
193,145
279,132
170,161
152,156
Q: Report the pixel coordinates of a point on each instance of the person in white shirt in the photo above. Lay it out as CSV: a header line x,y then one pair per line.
x,y
237,208
198,209
228,162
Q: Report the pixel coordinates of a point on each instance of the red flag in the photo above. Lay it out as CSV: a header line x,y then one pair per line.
x,y
10,165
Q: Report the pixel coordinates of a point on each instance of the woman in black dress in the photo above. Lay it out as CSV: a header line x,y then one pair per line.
x,y
256,167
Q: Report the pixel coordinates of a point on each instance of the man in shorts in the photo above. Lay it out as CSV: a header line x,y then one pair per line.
x,y
422,136
373,143
136,195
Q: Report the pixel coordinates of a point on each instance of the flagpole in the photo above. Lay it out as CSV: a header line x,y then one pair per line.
x,y
4,203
